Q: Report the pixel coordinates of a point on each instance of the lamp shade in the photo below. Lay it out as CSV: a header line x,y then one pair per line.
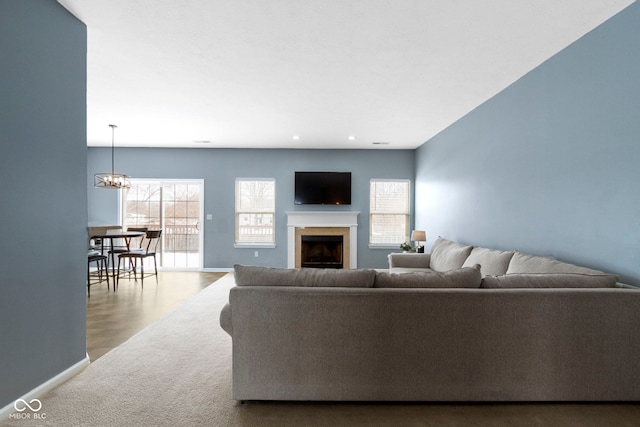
x,y
418,235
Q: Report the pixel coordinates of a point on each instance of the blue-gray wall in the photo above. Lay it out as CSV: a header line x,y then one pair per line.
x,y
220,167
44,198
549,166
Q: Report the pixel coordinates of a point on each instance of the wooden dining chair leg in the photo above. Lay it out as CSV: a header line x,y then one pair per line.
x,y
101,269
116,280
142,273
133,261
155,266
132,267
106,272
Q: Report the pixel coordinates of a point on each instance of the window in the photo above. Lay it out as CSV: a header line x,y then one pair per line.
x,y
389,203
255,210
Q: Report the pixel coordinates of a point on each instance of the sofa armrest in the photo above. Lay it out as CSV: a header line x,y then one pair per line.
x,y
225,319
409,260
625,286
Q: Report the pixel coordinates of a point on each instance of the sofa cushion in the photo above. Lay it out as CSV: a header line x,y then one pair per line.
x,y
447,255
467,277
338,277
492,262
246,275
312,277
550,280
523,263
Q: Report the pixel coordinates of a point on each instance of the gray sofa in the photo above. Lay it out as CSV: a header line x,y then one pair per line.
x,y
448,255
364,335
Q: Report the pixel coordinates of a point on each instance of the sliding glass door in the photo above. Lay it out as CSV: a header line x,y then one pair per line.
x,y
176,207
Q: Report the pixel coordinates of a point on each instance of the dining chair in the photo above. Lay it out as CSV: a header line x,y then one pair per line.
x,y
147,249
95,242
120,246
117,246
132,242
101,266
137,239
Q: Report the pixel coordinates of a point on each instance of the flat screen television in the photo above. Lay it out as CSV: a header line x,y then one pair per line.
x,y
323,188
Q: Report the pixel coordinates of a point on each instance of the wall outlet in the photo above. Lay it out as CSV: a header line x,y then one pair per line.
x,y
255,254
209,217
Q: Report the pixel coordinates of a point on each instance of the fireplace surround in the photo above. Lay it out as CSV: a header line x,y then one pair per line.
x,y
312,223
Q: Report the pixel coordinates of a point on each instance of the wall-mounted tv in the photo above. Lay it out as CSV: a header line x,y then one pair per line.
x,y
323,188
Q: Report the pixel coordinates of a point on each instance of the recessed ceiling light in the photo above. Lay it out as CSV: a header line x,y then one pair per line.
x,y
380,143
352,138
296,137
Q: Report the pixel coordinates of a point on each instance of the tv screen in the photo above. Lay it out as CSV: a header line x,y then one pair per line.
x,y
323,188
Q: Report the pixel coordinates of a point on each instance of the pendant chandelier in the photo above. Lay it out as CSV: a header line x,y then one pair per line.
x,y
111,180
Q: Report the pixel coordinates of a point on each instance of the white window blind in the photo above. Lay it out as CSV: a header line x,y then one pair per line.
x,y
389,212
255,210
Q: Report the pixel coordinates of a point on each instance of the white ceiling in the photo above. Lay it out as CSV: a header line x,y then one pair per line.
x,y
254,73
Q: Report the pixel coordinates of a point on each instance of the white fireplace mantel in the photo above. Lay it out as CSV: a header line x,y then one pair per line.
x,y
302,219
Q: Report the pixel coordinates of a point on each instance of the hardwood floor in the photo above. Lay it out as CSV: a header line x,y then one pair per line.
x,y
114,317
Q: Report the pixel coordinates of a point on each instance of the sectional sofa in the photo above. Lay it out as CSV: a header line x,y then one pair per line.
x,y
426,335
501,269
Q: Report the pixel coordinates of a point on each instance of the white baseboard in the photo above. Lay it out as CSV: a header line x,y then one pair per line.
x,y
45,387
217,270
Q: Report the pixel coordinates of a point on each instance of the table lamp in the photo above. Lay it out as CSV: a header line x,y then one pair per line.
x,y
419,236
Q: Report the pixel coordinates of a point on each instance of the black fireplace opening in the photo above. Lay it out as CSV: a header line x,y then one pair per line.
x,y
321,252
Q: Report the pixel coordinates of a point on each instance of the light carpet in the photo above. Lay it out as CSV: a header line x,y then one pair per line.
x,y
177,372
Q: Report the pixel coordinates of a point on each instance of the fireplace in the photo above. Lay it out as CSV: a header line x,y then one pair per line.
x,y
337,232
321,251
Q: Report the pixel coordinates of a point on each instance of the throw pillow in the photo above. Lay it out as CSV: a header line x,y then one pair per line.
x,y
467,277
542,280
447,255
523,263
492,262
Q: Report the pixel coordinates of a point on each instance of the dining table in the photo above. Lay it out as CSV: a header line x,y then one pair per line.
x,y
111,235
